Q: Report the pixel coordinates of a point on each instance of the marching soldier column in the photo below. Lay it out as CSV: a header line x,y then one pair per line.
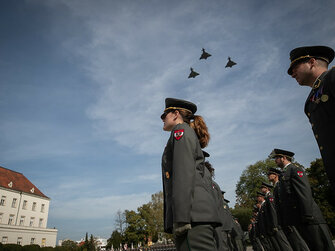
x,y
289,219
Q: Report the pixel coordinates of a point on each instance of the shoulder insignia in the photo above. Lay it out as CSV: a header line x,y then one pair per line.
x,y
178,134
300,173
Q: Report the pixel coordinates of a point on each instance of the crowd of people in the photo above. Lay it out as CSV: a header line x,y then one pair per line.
x,y
194,208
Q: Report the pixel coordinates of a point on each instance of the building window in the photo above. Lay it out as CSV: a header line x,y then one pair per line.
x,y
24,205
31,223
14,202
22,220
4,240
43,242
42,208
19,240
11,219
32,241
3,200
34,206
40,224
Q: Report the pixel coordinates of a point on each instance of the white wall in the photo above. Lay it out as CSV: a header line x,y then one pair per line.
x,y
23,229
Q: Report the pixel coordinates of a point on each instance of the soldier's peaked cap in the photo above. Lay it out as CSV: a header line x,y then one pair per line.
x,y
273,170
279,152
266,185
302,53
176,104
260,194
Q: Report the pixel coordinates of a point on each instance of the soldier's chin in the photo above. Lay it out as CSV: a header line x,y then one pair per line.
x,y
166,129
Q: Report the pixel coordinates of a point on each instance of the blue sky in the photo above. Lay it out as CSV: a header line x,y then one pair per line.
x,y
83,83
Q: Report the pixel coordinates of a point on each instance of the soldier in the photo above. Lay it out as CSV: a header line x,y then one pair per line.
x,y
237,234
261,221
222,241
228,226
277,237
297,206
309,66
256,210
190,207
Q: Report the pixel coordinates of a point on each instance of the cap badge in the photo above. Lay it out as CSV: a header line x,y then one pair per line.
x,y
300,173
324,98
178,134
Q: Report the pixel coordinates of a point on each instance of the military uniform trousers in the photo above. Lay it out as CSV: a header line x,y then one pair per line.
x,y
296,241
317,237
266,243
222,239
200,237
280,242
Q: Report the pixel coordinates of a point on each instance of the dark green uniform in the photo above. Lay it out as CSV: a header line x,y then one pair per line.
x,y
320,110
188,193
298,208
277,237
222,237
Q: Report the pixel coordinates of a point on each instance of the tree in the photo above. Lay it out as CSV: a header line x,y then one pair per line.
x,y
91,244
322,192
152,213
115,240
136,228
243,215
250,181
120,221
69,245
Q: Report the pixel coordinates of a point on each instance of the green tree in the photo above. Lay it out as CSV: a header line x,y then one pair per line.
x,y
322,192
243,215
250,181
91,244
136,228
152,213
69,245
115,240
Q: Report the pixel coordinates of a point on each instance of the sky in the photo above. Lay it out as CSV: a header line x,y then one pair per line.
x,y
83,84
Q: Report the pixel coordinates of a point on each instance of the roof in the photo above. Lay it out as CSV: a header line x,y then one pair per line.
x,y
17,181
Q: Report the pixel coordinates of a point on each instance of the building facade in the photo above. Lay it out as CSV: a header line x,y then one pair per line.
x,y
24,212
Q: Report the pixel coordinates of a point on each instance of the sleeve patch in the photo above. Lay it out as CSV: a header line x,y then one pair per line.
x,y
178,134
300,173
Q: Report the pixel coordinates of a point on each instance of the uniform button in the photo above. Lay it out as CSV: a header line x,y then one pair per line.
x,y
321,148
308,114
316,136
312,124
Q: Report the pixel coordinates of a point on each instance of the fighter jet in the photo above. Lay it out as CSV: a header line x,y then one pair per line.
x,y
193,73
204,54
230,63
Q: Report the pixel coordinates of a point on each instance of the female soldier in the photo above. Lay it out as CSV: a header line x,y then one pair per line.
x,y
190,210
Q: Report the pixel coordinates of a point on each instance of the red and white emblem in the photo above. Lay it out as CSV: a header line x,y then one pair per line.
x,y
178,134
271,199
300,173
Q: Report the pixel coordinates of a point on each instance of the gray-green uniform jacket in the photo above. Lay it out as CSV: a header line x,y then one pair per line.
x,y
187,187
